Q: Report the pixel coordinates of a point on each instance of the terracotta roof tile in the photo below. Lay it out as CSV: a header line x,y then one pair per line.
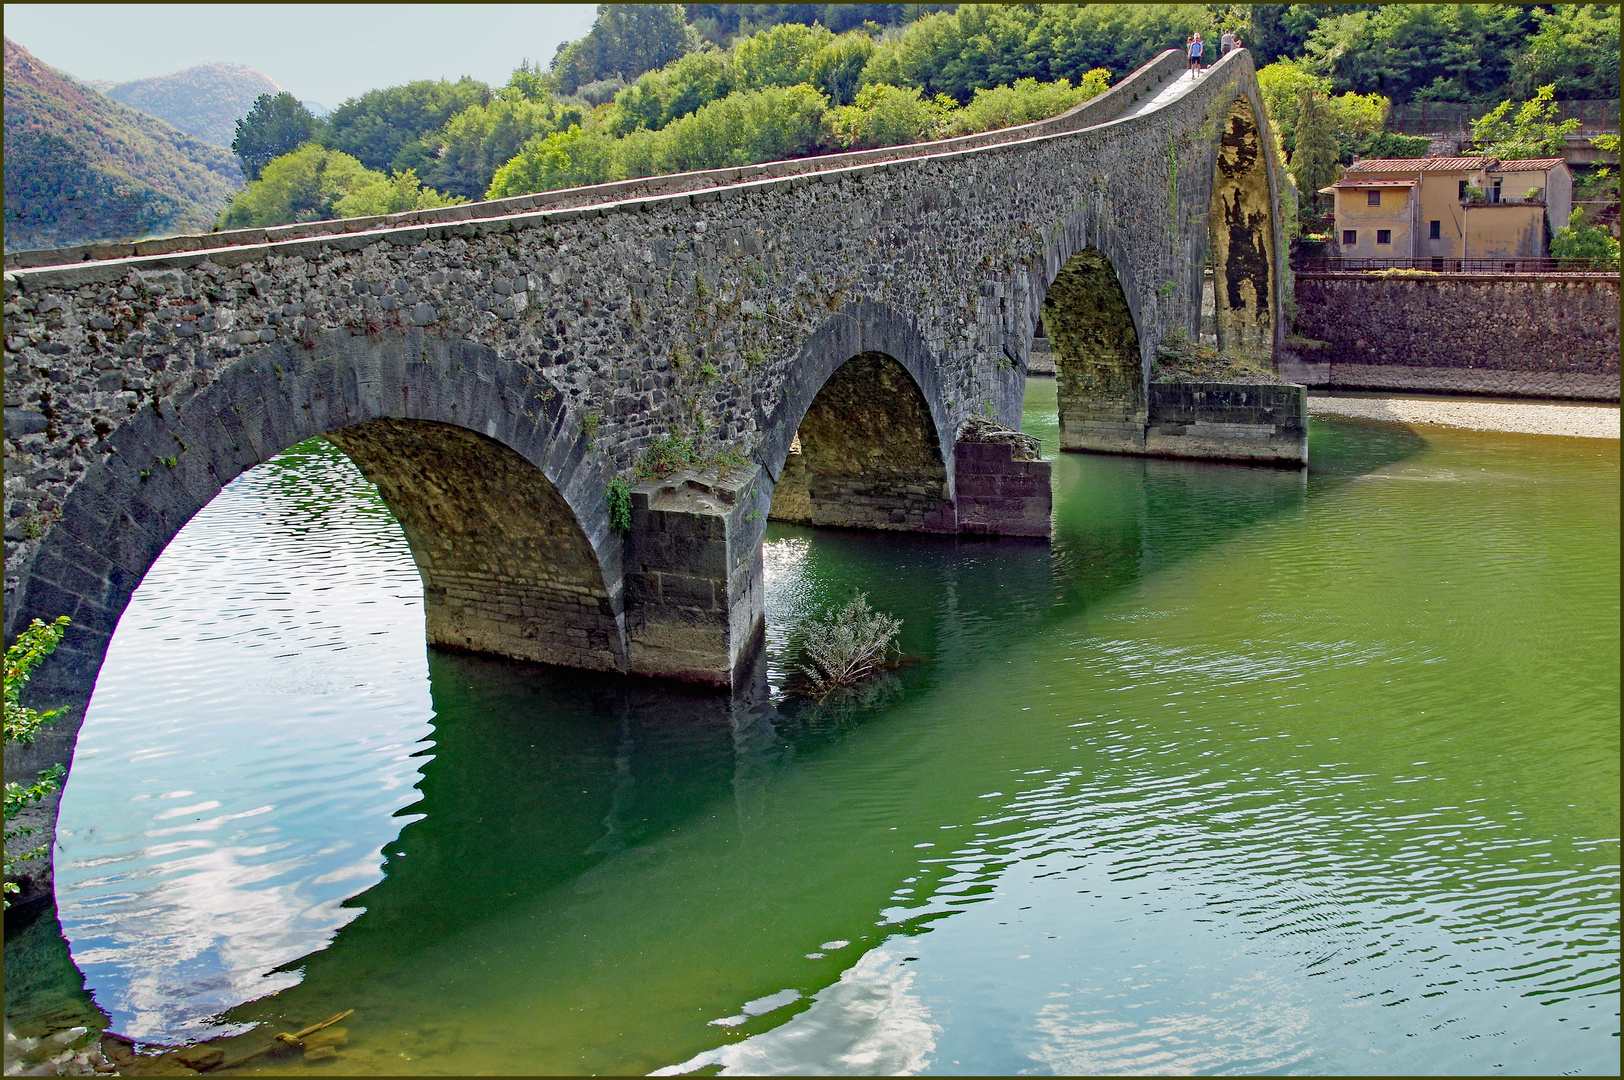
x,y
1438,164
1529,164
1372,182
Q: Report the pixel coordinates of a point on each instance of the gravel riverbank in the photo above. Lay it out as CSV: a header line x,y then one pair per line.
x,y
1578,421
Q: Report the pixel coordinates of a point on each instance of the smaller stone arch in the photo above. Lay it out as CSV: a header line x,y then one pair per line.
x,y
1099,366
1242,238
867,455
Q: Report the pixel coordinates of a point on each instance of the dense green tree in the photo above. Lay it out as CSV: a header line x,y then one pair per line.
x,y
837,67
749,126
1352,121
1534,132
1409,52
277,124
1578,240
884,115
625,41
563,159
658,97
782,56
1313,164
720,23
395,194
476,142
1575,50
1024,102
313,184
382,129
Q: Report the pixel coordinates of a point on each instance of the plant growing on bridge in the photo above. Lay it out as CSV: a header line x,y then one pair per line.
x,y
618,495
22,724
846,646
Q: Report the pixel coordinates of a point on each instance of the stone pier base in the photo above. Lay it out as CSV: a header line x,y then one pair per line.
x,y
1002,486
694,575
1259,422
1105,434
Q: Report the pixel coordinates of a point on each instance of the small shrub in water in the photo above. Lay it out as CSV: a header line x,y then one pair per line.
x,y
846,646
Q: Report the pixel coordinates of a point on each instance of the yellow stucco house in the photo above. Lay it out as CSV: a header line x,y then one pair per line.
x,y
1450,207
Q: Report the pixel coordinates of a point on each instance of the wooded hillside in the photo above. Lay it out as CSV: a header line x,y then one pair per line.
x,y
80,167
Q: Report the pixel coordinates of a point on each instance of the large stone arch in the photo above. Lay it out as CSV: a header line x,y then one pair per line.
x,y
1244,236
497,425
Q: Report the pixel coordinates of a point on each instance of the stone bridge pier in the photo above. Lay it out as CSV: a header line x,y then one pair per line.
x,y
840,340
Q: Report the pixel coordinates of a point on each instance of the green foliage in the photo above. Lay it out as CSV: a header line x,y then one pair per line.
x,y
383,129
1313,164
845,646
625,41
390,195
1024,102
618,496
562,159
276,125
476,142
837,67
658,97
1577,240
1532,133
81,168
979,46
782,56
315,184
1351,121
1420,52
1575,50
666,456
22,726
884,115
1390,144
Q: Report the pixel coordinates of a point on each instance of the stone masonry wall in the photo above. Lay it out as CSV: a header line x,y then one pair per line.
x,y
1522,335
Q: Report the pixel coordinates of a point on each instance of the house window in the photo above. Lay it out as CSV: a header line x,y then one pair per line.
x,y
1350,238
1384,236
1494,196
1435,231
1463,191
1373,198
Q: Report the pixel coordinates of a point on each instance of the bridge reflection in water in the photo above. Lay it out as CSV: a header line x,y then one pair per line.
x,y
529,776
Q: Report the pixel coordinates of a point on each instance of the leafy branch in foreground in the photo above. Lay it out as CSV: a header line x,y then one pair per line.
x,y
845,646
22,724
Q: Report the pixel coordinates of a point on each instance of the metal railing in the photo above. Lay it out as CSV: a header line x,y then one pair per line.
x,y
1475,265
1455,117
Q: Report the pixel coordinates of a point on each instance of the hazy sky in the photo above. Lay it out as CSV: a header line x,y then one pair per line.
x,y
321,52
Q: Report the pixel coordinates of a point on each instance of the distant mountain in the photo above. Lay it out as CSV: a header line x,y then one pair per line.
x,y
205,100
81,168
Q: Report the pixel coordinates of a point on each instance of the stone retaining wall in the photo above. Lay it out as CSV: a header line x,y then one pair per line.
x,y
1523,335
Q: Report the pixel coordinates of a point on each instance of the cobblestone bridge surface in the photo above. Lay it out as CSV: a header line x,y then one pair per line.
x,y
493,367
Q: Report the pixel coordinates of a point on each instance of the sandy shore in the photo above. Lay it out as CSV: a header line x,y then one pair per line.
x,y
1579,421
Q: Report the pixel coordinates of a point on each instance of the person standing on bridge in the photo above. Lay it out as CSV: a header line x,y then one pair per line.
x,y
1226,44
1195,55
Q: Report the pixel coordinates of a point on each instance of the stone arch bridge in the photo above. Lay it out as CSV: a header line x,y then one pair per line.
x,y
839,340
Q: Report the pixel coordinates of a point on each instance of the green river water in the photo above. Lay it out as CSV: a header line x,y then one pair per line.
x,y
1249,771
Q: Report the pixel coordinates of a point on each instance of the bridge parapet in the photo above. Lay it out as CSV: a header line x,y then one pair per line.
x,y
1096,110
